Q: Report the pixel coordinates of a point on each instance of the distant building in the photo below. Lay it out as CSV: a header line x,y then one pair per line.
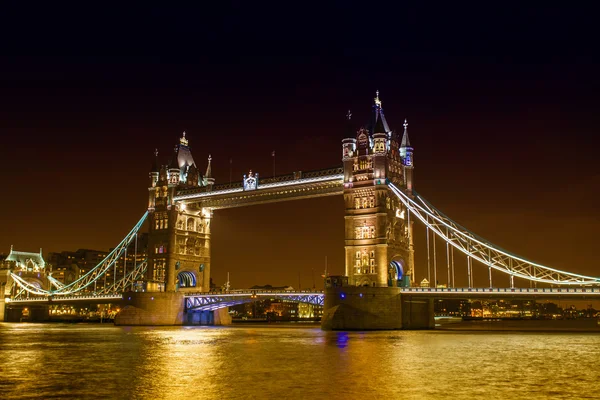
x,y
269,287
30,267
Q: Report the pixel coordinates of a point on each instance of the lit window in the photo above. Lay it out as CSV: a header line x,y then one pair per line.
x,y
372,201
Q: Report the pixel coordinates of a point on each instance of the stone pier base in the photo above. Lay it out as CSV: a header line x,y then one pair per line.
x,y
373,308
151,308
165,308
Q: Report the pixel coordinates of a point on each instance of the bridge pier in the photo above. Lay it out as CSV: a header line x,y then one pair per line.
x,y
165,308
151,308
374,308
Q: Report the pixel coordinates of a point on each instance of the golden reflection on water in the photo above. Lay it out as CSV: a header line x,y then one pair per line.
x,y
264,362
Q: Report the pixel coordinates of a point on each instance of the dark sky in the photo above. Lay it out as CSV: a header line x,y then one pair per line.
x,y
502,105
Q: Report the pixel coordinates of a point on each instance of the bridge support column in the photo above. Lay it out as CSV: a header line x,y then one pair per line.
x,y
150,308
373,308
417,313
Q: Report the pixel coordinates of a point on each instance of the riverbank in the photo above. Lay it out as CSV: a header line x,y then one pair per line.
x,y
521,325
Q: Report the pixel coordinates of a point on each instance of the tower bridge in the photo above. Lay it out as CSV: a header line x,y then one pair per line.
x,y
375,179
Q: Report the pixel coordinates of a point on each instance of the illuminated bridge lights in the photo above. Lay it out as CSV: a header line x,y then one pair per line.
x,y
94,273
294,182
60,299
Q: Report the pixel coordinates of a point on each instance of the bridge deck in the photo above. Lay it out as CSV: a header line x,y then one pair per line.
x,y
571,293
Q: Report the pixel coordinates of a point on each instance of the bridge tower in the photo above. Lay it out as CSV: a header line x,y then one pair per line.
x,y
179,234
378,232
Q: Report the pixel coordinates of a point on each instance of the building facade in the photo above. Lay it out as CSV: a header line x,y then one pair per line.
x,y
179,234
378,232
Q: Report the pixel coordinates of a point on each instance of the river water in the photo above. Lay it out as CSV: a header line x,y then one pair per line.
x,y
86,361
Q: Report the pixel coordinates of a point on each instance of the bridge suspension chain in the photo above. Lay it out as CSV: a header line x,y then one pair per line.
x,y
128,280
93,274
479,249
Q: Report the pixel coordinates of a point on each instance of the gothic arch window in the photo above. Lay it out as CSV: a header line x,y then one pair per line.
x,y
180,224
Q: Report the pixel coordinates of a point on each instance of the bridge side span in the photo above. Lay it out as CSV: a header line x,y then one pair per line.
x,y
484,251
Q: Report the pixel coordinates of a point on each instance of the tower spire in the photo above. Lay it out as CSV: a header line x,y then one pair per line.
x,y
208,176
208,168
183,140
377,101
405,142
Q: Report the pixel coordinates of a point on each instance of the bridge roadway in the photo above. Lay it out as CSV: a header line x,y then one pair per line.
x,y
214,300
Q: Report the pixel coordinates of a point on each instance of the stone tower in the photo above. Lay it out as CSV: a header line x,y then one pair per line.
x,y
378,231
179,234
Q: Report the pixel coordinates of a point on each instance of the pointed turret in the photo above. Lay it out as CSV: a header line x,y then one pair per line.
x,y
405,142
378,122
406,152
379,128
208,176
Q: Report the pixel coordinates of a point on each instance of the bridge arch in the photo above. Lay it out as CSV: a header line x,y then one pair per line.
x,y
186,279
396,272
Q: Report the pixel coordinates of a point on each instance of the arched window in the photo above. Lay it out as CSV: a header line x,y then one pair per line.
x,y
190,224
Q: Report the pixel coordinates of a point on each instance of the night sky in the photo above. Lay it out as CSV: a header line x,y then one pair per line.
x,y
502,105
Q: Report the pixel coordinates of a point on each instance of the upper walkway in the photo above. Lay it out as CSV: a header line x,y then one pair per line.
x,y
299,185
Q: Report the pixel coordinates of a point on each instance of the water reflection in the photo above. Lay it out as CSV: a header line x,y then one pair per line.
x,y
93,361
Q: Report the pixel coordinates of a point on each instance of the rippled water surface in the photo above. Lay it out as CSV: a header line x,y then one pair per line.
x,y
269,362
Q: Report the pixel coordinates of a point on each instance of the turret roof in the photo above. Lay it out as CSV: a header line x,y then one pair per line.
x,y
405,140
